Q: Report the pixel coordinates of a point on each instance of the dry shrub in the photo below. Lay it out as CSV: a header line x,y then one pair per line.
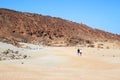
x,y
91,45
100,46
107,47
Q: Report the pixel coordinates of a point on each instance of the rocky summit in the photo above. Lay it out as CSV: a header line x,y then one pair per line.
x,y
26,27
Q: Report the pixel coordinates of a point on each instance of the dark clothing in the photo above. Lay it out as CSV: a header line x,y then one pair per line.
x,y
79,52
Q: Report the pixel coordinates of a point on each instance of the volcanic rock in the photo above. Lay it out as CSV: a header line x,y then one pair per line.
x,y
25,27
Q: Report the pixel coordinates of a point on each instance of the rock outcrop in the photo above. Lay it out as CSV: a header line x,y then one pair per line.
x,y
35,28
11,55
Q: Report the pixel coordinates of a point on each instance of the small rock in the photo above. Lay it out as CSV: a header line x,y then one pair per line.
x,y
22,62
24,56
113,55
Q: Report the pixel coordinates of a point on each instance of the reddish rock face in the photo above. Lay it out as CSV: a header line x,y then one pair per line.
x,y
35,28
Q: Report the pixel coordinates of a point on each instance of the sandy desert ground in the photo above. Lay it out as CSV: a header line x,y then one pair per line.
x,y
61,63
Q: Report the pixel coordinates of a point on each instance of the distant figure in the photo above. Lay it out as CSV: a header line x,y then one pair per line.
x,y
79,52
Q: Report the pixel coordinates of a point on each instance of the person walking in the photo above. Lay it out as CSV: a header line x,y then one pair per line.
x,y
79,52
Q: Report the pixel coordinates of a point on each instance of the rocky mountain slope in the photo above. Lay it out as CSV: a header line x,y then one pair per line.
x,y
46,30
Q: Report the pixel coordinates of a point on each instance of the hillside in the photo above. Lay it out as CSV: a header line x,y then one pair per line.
x,y
35,28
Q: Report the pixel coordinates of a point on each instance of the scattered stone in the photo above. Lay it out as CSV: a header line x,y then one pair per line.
x,y
107,47
113,55
24,56
11,55
22,62
91,45
16,52
100,46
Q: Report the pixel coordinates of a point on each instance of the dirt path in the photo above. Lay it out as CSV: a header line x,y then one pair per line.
x,y
61,64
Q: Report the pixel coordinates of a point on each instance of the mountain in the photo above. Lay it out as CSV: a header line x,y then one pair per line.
x,y
35,28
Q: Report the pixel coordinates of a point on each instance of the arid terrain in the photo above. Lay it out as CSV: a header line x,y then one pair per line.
x,y
37,47
34,28
61,63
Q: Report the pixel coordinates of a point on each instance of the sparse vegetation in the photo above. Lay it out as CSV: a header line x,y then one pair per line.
x,y
91,45
28,27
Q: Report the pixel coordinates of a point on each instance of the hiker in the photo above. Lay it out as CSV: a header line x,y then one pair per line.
x,y
79,52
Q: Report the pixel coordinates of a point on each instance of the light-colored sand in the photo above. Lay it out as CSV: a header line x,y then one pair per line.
x,y
62,63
